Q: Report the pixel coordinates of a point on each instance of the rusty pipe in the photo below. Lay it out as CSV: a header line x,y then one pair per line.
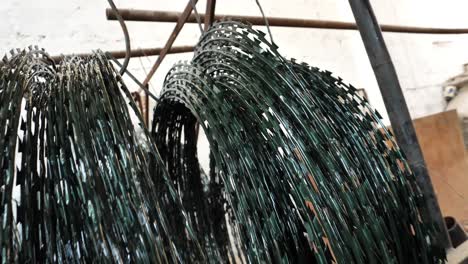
x,y
167,16
120,54
175,32
210,13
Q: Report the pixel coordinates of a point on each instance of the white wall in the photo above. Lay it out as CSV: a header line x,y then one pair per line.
x,y
422,61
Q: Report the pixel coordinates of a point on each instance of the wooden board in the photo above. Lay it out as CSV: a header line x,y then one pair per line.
x,y
441,140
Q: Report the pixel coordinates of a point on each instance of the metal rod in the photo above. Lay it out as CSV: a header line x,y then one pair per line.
x,y
147,108
180,23
147,91
128,48
398,113
120,54
165,16
210,11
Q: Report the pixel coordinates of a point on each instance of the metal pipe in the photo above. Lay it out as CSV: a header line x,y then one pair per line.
x,y
175,32
166,16
210,11
120,54
398,113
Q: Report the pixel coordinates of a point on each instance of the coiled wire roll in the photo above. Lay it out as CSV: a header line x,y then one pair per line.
x,y
77,186
302,167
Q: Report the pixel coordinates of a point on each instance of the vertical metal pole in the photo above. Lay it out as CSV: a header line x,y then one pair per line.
x,y
209,14
397,110
146,113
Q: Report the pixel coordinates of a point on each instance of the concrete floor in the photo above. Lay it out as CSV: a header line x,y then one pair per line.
x,y
458,255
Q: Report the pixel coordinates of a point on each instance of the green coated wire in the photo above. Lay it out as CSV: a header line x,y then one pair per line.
x,y
76,184
301,168
302,165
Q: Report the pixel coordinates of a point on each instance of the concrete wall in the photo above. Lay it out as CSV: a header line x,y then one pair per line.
x,y
422,61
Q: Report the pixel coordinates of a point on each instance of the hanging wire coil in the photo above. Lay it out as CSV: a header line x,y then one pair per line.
x,y
77,184
302,167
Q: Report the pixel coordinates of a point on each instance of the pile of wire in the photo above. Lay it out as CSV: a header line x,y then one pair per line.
x,y
301,168
77,184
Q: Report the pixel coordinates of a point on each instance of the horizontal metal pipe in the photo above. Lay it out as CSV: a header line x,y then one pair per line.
x,y
120,54
166,16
